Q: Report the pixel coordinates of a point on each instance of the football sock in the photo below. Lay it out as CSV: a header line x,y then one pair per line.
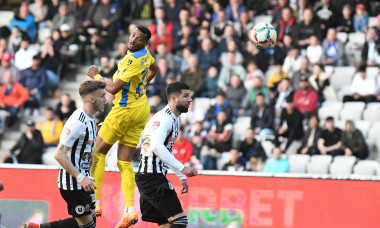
x,y
127,183
65,223
179,222
97,171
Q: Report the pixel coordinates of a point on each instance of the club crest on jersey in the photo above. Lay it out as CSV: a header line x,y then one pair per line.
x,y
155,125
79,209
170,186
86,156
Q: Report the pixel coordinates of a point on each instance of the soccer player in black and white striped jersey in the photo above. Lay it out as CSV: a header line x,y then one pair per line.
x,y
158,200
74,154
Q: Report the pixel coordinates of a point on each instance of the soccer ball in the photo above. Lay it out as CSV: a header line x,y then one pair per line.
x,y
263,35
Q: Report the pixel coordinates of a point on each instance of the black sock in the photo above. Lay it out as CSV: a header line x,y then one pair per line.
x,y
65,223
179,222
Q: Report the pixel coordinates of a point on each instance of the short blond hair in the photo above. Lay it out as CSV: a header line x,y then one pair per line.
x,y
90,86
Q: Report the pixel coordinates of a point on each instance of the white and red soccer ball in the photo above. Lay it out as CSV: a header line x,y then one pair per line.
x,y
263,35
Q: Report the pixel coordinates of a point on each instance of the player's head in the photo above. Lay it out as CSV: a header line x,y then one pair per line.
x,y
179,95
139,38
92,92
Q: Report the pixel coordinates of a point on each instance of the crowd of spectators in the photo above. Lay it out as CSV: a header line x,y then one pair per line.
x,y
205,44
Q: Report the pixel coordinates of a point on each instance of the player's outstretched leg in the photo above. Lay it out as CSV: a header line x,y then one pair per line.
x,y
97,171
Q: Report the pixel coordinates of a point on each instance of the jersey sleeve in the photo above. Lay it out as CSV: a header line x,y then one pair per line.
x,y
129,68
70,133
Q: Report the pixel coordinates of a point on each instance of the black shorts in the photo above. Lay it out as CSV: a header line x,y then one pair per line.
x,y
79,202
158,199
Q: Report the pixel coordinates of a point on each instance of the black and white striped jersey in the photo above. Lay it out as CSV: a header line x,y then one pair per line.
x,y
79,134
156,144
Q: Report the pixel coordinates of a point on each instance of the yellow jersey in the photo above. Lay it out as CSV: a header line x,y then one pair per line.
x,y
133,69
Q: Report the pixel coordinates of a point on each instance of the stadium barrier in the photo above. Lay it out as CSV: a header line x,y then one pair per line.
x,y
215,199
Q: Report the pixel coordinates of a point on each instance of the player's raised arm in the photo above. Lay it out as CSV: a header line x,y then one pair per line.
x,y
112,86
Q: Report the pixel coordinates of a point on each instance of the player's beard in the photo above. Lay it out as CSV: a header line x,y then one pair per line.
x,y
182,108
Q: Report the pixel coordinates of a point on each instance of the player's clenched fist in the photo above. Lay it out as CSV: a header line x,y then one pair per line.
x,y
189,171
92,71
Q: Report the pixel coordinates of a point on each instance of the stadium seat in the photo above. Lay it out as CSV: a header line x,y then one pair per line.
x,y
342,36
298,163
354,105
329,70
48,157
3,115
342,76
363,126
350,114
239,129
330,93
372,22
373,71
43,33
263,19
268,147
333,104
342,165
244,120
357,37
371,114
319,164
366,167
223,159
340,124
6,17
343,91
203,103
373,105
378,82
324,112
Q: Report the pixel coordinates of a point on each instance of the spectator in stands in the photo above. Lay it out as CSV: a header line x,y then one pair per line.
x,y
353,142
257,7
162,53
159,84
252,72
184,19
221,104
218,26
262,118
277,12
69,46
182,148
182,61
197,136
228,71
24,21
303,71
333,51
299,9
198,12
12,97
290,124
81,8
204,33
234,10
250,97
309,143
194,76
107,70
30,145
122,51
93,49
280,51
6,65
156,103
162,37
234,93
211,82
292,62
276,164
254,164
306,29
330,139
219,140
235,164
65,107
160,18
363,87
173,8
346,23
286,24
15,39
50,128
24,56
276,77
249,147
243,26
185,39
360,18
314,51
284,91
4,47
105,15
319,81
228,35
328,15
305,99
371,48
50,57
231,47
208,56
252,53
63,17
39,10
34,80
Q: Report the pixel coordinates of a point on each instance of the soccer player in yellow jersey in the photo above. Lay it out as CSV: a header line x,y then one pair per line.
x,y
127,119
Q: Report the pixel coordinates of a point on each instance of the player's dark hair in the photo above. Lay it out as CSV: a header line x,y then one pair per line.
x,y
146,31
90,86
175,88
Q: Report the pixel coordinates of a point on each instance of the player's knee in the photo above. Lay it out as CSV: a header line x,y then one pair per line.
x,y
91,224
179,222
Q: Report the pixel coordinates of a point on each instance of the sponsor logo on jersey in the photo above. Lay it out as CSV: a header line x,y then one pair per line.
x,y
155,125
85,166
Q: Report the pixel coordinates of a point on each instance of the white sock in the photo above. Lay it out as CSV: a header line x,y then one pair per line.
x,y
128,210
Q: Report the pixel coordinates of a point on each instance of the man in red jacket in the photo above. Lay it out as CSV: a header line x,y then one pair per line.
x,y
182,148
12,96
305,99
